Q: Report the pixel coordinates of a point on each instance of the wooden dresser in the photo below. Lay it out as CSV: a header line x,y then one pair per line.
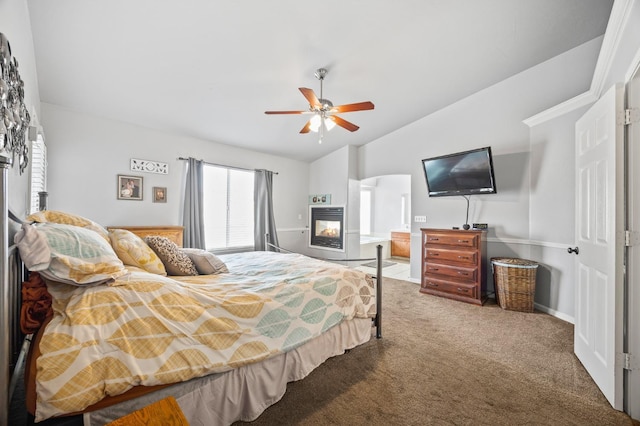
x,y
454,264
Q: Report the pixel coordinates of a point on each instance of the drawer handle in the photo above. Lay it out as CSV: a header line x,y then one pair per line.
x,y
434,254
463,241
463,257
433,269
434,239
463,290
463,273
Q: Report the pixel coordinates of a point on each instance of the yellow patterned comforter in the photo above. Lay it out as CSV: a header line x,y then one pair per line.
x,y
146,329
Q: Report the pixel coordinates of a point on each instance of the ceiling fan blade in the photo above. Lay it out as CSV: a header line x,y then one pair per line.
x,y
311,97
286,112
360,106
306,128
343,123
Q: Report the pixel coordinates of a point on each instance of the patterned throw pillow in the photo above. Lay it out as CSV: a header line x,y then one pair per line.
x,y
206,262
77,255
132,250
54,216
175,261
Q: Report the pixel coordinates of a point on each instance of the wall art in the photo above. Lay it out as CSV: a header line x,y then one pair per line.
x,y
14,117
159,194
129,187
149,166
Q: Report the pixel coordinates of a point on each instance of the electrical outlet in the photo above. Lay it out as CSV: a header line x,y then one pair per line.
x,y
420,219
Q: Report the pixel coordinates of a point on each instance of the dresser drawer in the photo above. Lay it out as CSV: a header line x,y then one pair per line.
x,y
460,272
458,256
451,240
461,289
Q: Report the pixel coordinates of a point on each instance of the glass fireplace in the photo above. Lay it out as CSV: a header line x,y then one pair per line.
x,y
327,227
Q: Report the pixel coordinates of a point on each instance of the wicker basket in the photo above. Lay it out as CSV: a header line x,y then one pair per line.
x,y
515,283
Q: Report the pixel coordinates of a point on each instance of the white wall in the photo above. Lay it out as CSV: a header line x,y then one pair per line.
x,y
15,24
492,117
86,153
552,186
332,174
552,208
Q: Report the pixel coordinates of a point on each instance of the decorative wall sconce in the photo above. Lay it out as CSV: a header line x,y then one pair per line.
x,y
14,117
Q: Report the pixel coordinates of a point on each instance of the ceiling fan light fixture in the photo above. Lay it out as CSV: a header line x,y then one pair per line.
x,y
329,123
315,123
318,120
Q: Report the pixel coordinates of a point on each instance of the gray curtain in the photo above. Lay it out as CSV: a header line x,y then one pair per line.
x,y
193,217
263,210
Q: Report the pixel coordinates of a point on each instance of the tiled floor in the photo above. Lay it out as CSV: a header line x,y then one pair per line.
x,y
399,270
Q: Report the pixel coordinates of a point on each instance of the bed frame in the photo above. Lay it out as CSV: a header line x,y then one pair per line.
x,y
14,344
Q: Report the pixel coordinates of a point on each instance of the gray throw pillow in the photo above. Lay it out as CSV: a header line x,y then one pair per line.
x,y
206,262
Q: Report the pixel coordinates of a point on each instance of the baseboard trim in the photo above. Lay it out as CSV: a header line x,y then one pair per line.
x,y
554,313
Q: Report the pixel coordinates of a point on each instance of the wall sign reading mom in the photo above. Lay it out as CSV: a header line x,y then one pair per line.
x,y
149,166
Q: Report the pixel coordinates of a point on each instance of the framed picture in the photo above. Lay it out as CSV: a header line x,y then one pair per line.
x,y
159,194
129,187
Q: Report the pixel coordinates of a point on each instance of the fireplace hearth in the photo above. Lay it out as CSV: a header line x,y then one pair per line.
x,y
327,227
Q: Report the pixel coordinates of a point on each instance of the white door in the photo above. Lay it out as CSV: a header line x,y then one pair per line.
x,y
599,237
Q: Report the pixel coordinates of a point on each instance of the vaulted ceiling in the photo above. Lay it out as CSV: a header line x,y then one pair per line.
x,y
210,68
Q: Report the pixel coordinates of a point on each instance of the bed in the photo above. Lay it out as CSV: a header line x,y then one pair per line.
x,y
223,344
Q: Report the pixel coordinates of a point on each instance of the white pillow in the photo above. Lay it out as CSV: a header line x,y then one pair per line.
x,y
75,255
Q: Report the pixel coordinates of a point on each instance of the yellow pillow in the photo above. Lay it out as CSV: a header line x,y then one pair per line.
x,y
133,251
63,218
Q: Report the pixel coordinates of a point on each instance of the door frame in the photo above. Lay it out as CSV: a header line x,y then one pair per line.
x,y
631,314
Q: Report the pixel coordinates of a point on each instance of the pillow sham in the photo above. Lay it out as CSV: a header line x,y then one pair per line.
x,y
175,261
71,254
133,251
206,262
63,218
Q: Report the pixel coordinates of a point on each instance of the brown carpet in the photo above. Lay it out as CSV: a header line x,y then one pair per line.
x,y
450,363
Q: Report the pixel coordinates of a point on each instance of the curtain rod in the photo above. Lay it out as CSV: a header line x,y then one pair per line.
x,y
228,167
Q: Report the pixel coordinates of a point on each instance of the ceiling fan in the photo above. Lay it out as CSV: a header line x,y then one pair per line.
x,y
324,111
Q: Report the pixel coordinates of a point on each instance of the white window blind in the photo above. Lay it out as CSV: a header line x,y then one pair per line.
x,y
228,208
38,178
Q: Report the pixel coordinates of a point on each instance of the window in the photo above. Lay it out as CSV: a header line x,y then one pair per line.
x,y
228,208
405,210
38,172
365,211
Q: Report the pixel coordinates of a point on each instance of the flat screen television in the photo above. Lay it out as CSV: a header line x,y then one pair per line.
x,y
461,173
